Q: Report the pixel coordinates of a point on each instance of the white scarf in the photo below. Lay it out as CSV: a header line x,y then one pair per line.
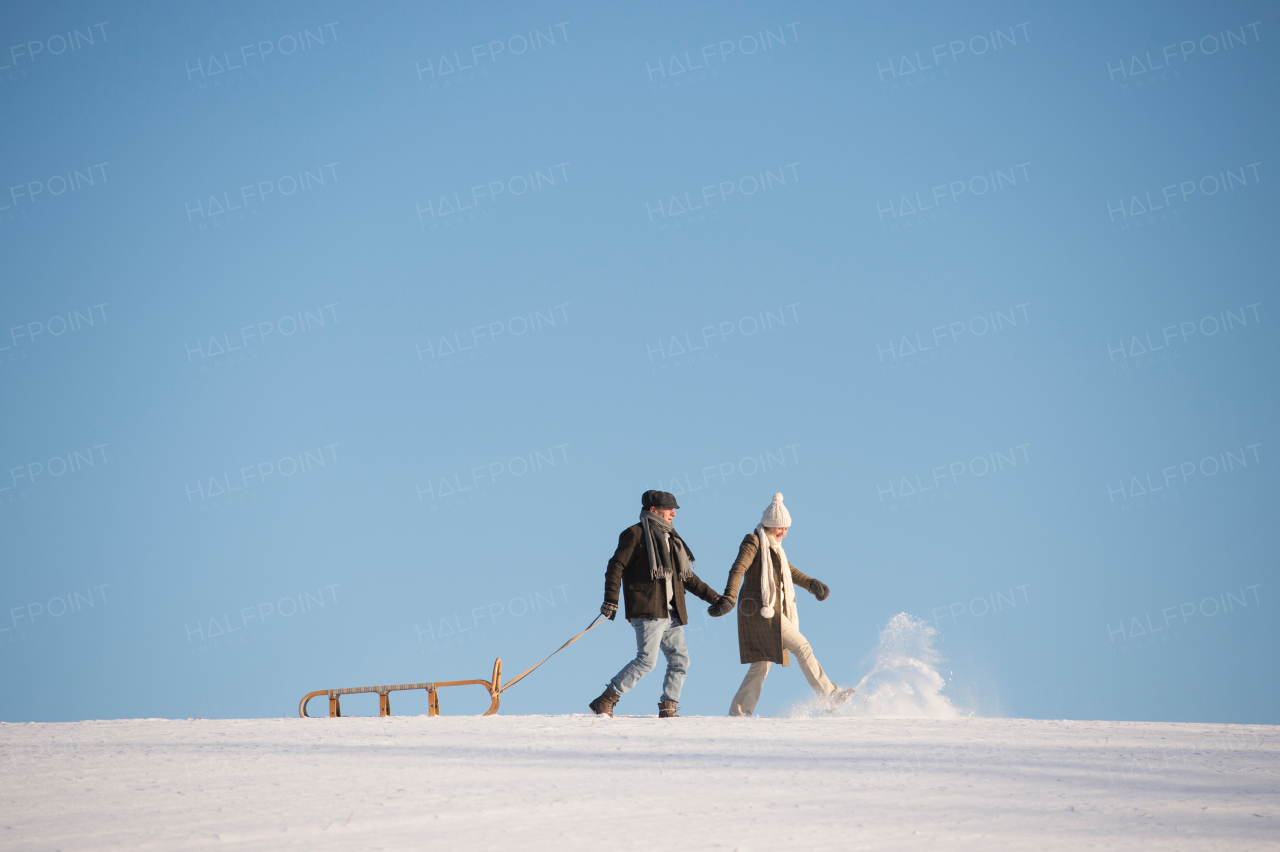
x,y
768,591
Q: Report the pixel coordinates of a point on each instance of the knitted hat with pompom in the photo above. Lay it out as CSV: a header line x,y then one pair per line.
x,y
776,515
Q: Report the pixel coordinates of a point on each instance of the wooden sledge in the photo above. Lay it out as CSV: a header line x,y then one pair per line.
x,y
433,697
494,685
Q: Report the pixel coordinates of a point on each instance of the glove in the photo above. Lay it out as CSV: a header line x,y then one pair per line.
x,y
820,589
609,609
722,606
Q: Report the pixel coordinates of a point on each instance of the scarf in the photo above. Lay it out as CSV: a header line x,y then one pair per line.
x,y
767,583
658,538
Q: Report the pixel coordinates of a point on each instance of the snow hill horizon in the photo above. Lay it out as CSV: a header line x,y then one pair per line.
x,y
576,781
897,766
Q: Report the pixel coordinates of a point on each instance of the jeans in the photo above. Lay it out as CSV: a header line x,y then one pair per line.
x,y
653,634
744,703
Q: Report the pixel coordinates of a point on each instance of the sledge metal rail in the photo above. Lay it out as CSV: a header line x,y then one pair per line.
x,y
494,685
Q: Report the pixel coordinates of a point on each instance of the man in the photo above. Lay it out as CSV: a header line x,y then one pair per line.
x,y
655,566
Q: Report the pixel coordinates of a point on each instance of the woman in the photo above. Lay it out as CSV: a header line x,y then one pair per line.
x,y
768,623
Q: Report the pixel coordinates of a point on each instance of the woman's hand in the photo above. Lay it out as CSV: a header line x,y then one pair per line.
x,y
820,589
722,606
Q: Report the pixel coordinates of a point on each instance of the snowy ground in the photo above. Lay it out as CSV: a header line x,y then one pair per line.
x,y
578,782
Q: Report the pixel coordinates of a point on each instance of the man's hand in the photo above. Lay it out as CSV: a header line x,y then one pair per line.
x,y
722,606
819,589
609,609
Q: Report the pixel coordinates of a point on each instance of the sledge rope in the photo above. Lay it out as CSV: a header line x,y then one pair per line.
x,y
518,677
494,686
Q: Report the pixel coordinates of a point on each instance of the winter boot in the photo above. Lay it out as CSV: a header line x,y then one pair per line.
x,y
603,706
667,710
837,698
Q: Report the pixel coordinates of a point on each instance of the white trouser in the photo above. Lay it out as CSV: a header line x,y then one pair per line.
x,y
744,703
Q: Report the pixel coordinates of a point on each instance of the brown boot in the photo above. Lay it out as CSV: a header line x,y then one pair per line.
x,y
603,706
667,710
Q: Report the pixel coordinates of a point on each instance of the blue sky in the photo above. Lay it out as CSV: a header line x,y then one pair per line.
x,y
340,343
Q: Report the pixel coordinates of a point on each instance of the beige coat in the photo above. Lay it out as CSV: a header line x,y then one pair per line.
x,y
759,639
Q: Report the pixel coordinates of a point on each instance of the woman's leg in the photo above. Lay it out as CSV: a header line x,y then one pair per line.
x,y
744,703
795,642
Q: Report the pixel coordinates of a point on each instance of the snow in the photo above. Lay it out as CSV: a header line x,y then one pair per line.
x,y
902,680
581,782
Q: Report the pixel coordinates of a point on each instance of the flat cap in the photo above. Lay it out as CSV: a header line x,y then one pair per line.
x,y
661,499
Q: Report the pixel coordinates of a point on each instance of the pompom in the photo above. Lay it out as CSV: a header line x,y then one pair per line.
x,y
777,498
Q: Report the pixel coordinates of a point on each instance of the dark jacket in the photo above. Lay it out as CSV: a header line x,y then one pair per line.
x,y
759,639
646,597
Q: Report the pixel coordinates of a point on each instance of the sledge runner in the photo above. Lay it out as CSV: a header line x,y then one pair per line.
x,y
768,622
653,567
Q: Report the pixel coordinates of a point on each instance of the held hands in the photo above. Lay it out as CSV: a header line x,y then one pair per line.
x,y
722,606
820,589
609,609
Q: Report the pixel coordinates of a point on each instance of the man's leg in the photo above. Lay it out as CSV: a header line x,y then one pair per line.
x,y
744,703
795,642
648,637
677,653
